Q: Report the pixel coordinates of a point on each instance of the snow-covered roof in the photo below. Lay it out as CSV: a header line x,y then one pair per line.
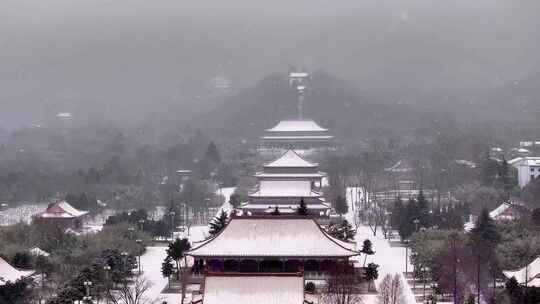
x,y
62,210
278,236
499,211
298,74
290,175
36,251
466,163
286,208
253,289
64,115
527,273
297,125
289,188
9,274
290,159
298,137
525,161
400,166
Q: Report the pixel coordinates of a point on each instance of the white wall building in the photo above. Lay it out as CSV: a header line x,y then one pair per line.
x,y
527,168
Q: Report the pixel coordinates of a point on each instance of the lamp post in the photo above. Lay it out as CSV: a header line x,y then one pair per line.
x,y
131,229
124,261
416,222
141,224
406,256
172,214
453,237
139,242
207,208
423,270
87,285
107,269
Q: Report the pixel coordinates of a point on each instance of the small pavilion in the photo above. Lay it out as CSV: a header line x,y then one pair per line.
x,y
274,244
64,215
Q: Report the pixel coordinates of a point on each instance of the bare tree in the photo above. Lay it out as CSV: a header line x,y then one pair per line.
x,y
342,286
377,217
391,290
133,293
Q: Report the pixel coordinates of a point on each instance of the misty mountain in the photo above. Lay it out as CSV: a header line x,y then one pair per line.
x,y
127,63
516,102
331,101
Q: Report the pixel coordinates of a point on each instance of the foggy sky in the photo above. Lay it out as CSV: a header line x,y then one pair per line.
x,y
125,57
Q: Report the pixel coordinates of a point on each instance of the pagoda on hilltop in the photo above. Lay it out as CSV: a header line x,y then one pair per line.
x,y
297,133
283,184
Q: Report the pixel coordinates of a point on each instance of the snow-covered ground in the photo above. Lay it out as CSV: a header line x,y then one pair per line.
x,y
154,256
391,260
151,267
21,213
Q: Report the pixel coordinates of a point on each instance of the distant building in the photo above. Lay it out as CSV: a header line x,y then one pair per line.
x,y
9,274
529,274
508,211
64,116
527,168
221,83
298,78
283,183
36,251
64,215
252,288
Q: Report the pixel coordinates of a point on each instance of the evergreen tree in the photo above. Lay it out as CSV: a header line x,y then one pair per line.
x,y
342,231
22,260
18,292
397,213
302,208
423,214
167,268
367,249
454,219
235,200
218,223
536,216
43,266
489,170
406,226
212,153
177,251
483,240
341,205
485,229
276,211
372,273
